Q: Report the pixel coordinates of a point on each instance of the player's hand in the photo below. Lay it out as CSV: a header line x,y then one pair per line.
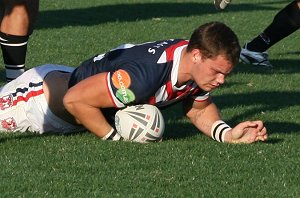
x,y
249,132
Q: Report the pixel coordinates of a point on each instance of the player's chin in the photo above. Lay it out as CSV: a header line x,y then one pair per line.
x,y
209,88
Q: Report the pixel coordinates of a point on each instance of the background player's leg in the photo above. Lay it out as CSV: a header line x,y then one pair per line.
x,y
17,22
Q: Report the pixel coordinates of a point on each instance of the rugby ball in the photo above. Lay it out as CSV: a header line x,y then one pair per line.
x,y
140,123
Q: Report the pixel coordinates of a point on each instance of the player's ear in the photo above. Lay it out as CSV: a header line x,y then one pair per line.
x,y
196,55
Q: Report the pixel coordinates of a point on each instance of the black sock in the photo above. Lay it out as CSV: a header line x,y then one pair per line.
x,y
14,54
284,23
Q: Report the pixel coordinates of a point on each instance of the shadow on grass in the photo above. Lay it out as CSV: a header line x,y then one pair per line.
x,y
174,131
182,131
133,12
29,135
178,129
282,66
266,101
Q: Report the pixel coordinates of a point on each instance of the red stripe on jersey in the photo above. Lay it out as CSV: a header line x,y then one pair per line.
x,y
28,96
152,100
180,93
169,90
170,50
197,89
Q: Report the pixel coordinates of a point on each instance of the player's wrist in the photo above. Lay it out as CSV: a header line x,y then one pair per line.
x,y
219,131
112,135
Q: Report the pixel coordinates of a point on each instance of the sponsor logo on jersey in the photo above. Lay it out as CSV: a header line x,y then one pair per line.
x,y
5,102
122,81
125,95
9,124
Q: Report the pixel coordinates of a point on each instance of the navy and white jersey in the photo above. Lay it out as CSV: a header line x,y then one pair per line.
x,y
141,74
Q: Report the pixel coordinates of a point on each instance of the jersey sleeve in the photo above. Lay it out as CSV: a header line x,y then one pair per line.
x,y
129,85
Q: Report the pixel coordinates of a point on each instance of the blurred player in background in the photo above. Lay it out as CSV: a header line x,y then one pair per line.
x,y
17,21
285,22
221,4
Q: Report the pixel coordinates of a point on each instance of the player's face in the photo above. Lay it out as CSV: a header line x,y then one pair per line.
x,y
211,73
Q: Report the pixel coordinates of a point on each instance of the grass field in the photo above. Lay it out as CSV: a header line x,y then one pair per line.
x,y
186,163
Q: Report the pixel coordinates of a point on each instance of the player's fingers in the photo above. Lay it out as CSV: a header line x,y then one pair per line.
x,y
247,124
262,132
259,124
261,137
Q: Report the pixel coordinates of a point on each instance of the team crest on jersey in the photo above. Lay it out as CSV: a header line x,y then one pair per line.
x,y
9,124
5,102
122,81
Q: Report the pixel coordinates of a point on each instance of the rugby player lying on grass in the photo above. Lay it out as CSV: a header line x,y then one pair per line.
x,y
62,99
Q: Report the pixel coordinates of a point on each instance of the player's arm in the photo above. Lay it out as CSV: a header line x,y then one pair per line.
x,y
84,101
205,116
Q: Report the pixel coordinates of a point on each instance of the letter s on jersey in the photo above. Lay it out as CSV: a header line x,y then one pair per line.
x,y
152,51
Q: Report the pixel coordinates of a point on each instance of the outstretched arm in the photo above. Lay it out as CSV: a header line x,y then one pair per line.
x,y
84,101
205,116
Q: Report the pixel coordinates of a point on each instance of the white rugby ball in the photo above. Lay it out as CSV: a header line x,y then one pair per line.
x,y
140,123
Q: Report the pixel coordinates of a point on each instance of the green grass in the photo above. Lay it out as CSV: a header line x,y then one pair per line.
x,y
186,163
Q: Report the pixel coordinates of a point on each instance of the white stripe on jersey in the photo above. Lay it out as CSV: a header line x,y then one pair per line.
x,y
127,45
201,98
124,46
116,102
162,94
163,58
176,61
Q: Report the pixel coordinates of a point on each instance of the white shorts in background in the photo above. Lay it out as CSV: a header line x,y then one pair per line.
x,y
23,106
